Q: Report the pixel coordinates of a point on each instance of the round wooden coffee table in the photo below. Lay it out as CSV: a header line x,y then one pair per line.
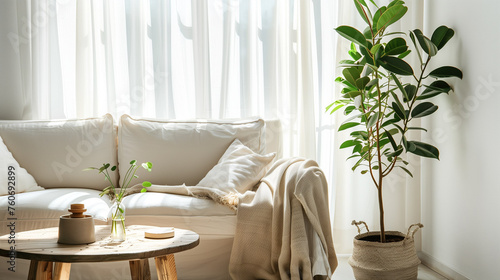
x,y
51,260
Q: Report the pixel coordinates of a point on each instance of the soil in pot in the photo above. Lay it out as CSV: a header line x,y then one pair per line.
x,y
388,238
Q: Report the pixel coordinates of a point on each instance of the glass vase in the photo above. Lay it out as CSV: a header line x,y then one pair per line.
x,y
117,215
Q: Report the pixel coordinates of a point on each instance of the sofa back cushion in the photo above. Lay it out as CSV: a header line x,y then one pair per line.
x,y
182,151
56,152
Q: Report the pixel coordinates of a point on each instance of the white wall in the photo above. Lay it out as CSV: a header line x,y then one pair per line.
x,y
461,192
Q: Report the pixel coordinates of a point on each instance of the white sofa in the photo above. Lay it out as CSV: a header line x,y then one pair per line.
x,y
56,152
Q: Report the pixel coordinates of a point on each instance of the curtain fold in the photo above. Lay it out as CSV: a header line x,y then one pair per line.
x,y
204,59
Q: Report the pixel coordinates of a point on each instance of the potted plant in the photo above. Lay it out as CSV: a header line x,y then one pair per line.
x,y
117,209
382,94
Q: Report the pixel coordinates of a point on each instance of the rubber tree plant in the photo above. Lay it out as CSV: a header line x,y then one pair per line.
x,y
382,93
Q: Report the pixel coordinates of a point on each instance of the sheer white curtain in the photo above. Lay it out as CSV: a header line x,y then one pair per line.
x,y
179,59
202,59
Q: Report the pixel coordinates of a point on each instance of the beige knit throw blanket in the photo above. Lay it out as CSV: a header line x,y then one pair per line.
x,y
283,229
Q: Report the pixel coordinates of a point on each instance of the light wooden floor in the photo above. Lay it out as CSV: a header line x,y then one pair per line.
x,y
344,271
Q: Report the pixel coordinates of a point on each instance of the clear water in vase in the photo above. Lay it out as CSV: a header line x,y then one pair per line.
x,y
117,215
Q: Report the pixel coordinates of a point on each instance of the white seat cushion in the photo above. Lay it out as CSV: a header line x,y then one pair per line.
x,y
165,204
49,204
182,152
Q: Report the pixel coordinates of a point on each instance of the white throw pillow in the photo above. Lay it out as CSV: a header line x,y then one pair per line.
x,y
18,177
238,170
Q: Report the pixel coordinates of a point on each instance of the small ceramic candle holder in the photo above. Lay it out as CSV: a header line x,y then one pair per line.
x,y
76,228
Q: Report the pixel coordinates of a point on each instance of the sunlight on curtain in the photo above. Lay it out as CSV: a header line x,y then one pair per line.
x,y
183,60
204,59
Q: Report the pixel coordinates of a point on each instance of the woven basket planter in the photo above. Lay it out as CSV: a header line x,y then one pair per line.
x,y
392,260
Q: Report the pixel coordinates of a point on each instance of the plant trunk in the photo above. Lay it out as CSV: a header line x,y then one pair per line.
x,y
381,208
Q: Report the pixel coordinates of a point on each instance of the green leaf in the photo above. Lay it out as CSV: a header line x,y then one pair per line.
x,y
426,44
113,168
360,135
406,170
423,149
147,165
143,190
383,142
400,86
374,4
368,33
403,55
372,120
395,2
389,122
441,36
331,105
372,83
367,56
336,108
354,53
396,152
393,143
398,111
133,162
377,15
375,48
362,2
351,94
351,74
362,82
436,88
446,72
349,109
361,11
103,193
90,168
346,63
412,36
411,90
417,128
391,15
349,143
423,109
352,34
398,103
348,125
396,46
379,53
146,184
396,65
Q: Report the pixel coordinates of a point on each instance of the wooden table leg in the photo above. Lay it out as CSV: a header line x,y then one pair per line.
x,y
40,270
61,271
139,269
165,267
